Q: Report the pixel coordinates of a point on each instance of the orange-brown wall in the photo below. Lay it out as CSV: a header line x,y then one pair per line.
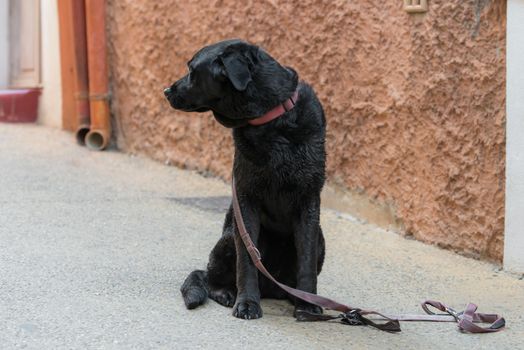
x,y
415,103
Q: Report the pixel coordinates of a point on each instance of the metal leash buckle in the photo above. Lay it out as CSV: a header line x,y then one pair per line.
x,y
352,318
456,315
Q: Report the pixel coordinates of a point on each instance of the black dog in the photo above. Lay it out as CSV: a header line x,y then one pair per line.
x,y
279,168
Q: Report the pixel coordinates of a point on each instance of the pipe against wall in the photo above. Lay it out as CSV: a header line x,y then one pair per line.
x,y
73,50
82,86
99,135
67,65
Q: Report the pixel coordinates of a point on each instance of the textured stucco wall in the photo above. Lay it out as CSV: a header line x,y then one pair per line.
x,y
415,103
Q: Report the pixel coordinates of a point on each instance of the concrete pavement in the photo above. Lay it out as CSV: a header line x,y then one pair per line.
x,y
94,246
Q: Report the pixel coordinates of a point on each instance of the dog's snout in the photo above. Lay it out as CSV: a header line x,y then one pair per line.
x,y
167,91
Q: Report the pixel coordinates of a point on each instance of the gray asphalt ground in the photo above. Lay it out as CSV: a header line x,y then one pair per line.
x,y
94,246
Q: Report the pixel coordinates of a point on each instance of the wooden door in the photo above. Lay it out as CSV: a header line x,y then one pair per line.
x,y
24,43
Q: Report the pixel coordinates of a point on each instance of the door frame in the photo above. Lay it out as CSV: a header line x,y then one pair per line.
x,y
514,216
4,44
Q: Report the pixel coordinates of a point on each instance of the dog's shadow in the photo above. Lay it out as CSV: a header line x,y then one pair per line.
x,y
215,204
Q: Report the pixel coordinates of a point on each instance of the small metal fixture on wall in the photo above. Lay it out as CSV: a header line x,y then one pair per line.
x,y
414,6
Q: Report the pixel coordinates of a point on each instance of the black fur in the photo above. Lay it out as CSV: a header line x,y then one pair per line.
x,y
279,169
194,290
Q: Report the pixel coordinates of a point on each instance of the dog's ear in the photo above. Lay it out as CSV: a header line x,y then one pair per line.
x,y
237,70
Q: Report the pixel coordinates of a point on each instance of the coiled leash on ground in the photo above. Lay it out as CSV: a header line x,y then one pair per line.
x,y
352,316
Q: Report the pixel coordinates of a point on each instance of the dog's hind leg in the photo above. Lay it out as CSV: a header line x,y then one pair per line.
x,y
224,296
194,289
222,268
221,272
218,282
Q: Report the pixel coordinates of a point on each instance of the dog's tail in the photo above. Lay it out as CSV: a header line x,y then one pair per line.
x,y
194,289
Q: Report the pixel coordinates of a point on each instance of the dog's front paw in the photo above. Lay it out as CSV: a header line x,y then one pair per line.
x,y
247,309
306,307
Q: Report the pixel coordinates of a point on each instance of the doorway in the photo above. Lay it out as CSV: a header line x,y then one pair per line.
x,y
24,43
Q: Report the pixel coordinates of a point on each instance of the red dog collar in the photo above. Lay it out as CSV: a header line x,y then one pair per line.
x,y
277,111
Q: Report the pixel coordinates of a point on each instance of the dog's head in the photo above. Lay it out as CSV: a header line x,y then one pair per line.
x,y
234,79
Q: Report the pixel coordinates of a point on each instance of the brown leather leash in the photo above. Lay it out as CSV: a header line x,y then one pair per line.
x,y
466,320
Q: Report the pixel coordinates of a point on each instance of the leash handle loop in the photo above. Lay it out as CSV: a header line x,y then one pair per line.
x,y
466,319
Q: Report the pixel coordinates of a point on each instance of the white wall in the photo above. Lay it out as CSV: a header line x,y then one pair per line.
x,y
50,107
514,230
4,37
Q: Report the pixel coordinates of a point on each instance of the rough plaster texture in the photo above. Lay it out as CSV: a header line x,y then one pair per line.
x,y
415,103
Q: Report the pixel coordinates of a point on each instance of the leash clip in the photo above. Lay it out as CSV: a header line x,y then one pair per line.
x,y
352,318
456,315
